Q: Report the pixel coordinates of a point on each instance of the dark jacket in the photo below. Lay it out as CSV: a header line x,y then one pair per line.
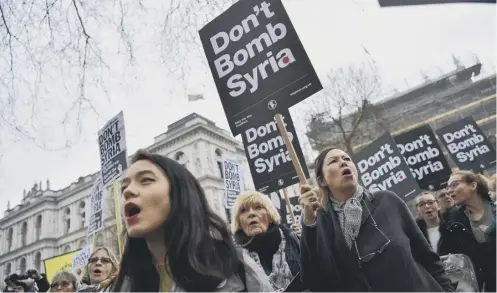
x,y
424,229
43,284
457,237
402,259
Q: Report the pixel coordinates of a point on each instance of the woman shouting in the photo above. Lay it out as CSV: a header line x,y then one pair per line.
x,y
354,240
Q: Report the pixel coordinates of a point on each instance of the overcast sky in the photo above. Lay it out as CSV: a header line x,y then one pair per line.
x,y
402,41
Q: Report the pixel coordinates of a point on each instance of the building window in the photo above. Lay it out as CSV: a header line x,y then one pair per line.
x,y
100,240
82,243
180,157
219,162
24,233
67,249
9,238
38,261
67,220
8,269
38,227
22,265
83,219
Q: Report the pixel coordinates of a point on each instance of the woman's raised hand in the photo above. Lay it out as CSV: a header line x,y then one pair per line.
x,y
310,203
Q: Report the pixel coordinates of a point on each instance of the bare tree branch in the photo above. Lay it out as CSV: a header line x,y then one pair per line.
x,y
343,115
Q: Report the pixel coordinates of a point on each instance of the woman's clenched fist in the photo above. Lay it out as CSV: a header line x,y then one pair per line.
x,y
310,203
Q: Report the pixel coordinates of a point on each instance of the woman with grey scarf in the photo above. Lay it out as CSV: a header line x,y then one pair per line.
x,y
354,240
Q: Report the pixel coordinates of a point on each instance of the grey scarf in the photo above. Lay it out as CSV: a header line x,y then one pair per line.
x,y
281,276
349,214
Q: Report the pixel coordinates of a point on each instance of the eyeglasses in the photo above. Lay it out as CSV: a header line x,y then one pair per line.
x,y
368,257
104,260
64,284
425,203
454,184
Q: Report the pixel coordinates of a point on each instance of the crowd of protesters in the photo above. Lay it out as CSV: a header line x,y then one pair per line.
x,y
349,240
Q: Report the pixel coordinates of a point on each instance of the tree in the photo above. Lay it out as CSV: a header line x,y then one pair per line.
x,y
53,46
343,114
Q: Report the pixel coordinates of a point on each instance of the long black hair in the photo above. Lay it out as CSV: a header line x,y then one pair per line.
x,y
200,250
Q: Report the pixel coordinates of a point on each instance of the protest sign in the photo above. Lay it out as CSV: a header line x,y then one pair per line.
x,y
112,145
257,61
80,259
57,263
282,207
381,167
233,181
268,157
467,145
425,157
96,222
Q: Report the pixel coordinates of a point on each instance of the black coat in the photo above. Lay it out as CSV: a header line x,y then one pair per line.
x,y
407,263
457,237
424,229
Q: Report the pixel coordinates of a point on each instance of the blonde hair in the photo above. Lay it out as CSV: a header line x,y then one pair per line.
x,y
492,183
113,272
66,274
250,198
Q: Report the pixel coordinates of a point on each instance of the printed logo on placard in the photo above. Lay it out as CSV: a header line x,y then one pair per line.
x,y
272,105
281,182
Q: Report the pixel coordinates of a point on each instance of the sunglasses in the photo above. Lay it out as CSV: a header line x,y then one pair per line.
x,y
104,260
64,284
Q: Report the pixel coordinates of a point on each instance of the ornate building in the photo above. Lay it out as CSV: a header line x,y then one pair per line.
x,y
52,222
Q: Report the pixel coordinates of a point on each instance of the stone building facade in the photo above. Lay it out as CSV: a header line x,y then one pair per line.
x,y
52,222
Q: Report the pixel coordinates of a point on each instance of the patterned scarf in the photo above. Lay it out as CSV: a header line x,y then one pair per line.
x,y
280,276
349,214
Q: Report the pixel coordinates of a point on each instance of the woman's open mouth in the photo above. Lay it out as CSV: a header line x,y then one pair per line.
x,y
97,271
346,172
131,211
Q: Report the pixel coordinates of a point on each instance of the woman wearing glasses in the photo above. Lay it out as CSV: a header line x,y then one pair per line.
x,y
353,240
101,271
471,225
64,281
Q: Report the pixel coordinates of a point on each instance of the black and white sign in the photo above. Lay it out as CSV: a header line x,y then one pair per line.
x,y
80,259
268,158
257,61
96,222
279,202
112,145
467,145
425,157
382,167
233,181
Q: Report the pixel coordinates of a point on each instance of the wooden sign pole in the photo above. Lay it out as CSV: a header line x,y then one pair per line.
x,y
117,211
291,150
289,205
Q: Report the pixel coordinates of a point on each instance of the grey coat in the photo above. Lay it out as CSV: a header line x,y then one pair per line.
x,y
256,279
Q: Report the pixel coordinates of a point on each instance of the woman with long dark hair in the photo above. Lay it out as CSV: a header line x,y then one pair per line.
x,y
354,240
175,242
470,225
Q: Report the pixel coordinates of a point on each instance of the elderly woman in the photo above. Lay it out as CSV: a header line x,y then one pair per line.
x,y
257,228
64,281
354,240
101,270
471,225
